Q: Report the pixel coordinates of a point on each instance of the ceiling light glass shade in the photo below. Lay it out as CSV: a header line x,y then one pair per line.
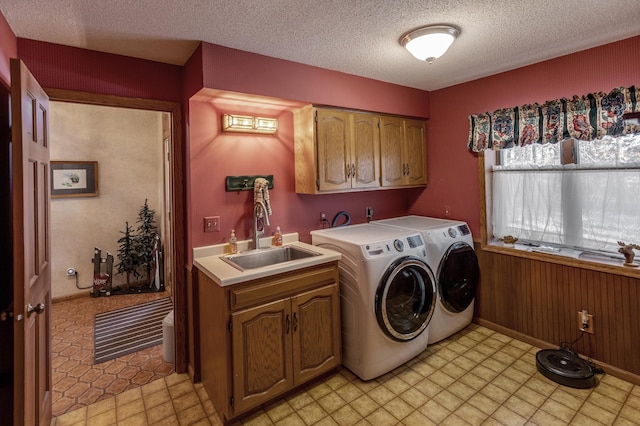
x,y
429,43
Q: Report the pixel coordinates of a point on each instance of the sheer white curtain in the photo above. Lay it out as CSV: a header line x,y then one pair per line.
x,y
569,205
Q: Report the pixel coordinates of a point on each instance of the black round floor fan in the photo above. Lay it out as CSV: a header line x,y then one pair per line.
x,y
565,367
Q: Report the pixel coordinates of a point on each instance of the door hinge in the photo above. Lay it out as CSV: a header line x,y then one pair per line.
x,y
230,326
231,401
6,314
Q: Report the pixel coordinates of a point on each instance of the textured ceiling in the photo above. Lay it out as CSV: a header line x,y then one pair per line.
x,y
353,36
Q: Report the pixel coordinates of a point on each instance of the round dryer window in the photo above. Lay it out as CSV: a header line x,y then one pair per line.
x,y
458,277
405,299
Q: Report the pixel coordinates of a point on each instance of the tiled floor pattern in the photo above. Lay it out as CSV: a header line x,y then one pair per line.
x,y
477,377
76,381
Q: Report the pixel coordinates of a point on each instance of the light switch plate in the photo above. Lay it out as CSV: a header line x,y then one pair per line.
x,y
212,224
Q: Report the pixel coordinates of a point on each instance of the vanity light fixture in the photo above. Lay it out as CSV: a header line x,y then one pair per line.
x,y
430,42
249,124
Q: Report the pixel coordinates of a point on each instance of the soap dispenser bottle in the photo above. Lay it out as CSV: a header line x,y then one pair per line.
x,y
233,242
277,237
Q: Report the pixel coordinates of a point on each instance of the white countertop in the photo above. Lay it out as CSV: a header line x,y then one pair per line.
x,y
208,260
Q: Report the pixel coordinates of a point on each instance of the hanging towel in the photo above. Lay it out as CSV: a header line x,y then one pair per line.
x,y
261,193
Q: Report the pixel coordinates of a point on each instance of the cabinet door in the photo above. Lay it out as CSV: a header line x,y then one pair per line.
x,y
365,154
334,149
316,332
261,353
391,141
415,152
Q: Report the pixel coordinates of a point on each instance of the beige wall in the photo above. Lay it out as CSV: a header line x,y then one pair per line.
x,y
127,144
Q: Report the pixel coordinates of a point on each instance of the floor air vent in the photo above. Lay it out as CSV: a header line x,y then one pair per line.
x,y
565,367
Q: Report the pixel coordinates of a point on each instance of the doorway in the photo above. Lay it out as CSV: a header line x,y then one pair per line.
x,y
131,171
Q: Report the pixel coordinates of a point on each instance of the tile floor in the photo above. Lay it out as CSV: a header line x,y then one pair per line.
x,y
476,377
77,382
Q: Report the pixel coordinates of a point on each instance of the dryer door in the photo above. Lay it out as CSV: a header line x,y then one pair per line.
x,y
458,277
405,299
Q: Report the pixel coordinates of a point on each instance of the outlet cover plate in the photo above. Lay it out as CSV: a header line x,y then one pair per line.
x,y
589,328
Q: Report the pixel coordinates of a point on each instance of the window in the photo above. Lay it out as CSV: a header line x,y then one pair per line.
x,y
583,194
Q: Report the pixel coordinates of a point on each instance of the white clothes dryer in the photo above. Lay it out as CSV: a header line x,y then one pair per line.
x,y
387,295
450,253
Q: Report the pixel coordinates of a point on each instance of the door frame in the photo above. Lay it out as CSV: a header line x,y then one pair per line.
x,y
178,203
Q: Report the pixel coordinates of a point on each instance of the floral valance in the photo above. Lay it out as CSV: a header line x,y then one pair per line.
x,y
589,117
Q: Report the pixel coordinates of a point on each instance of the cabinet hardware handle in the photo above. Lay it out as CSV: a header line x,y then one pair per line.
x,y
353,170
288,324
295,321
348,171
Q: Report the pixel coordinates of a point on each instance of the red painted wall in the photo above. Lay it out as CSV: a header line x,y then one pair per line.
x,y
8,49
453,176
63,67
215,155
244,72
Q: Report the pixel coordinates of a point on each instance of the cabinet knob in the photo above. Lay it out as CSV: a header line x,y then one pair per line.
x,y
295,321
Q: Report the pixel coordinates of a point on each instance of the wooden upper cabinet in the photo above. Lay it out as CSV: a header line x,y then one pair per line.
x,y
341,150
416,152
403,152
333,134
391,141
365,151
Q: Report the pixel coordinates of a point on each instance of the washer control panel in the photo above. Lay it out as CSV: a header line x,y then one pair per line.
x,y
398,245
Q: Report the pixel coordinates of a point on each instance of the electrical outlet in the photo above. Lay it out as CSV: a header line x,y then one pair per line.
x,y
212,224
447,211
369,213
585,318
323,216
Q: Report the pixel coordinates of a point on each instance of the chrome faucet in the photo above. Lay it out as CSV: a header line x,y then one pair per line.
x,y
257,207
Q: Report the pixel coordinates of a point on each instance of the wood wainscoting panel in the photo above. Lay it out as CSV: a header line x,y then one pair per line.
x,y
542,299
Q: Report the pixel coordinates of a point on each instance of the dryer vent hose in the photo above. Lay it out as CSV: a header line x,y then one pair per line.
x,y
347,220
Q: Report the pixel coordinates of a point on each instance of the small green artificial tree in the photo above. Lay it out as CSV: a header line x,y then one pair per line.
x,y
144,240
127,254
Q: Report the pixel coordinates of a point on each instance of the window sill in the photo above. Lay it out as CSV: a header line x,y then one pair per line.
x,y
567,257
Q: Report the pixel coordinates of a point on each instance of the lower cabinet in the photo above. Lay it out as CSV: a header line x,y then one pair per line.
x,y
282,332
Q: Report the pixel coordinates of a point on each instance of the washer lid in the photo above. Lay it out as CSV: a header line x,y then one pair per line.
x,y
361,234
420,223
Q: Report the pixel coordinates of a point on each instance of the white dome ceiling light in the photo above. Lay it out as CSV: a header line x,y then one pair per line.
x,y
430,42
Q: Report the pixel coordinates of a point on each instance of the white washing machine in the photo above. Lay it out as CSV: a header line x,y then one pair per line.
x,y
451,255
387,295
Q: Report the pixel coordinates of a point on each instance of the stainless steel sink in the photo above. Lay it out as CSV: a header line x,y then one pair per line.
x,y
268,256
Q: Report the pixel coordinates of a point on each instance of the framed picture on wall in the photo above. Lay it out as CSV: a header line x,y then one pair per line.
x,y
74,179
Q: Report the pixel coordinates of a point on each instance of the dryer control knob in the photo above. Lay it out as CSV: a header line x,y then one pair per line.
x,y
399,245
452,233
